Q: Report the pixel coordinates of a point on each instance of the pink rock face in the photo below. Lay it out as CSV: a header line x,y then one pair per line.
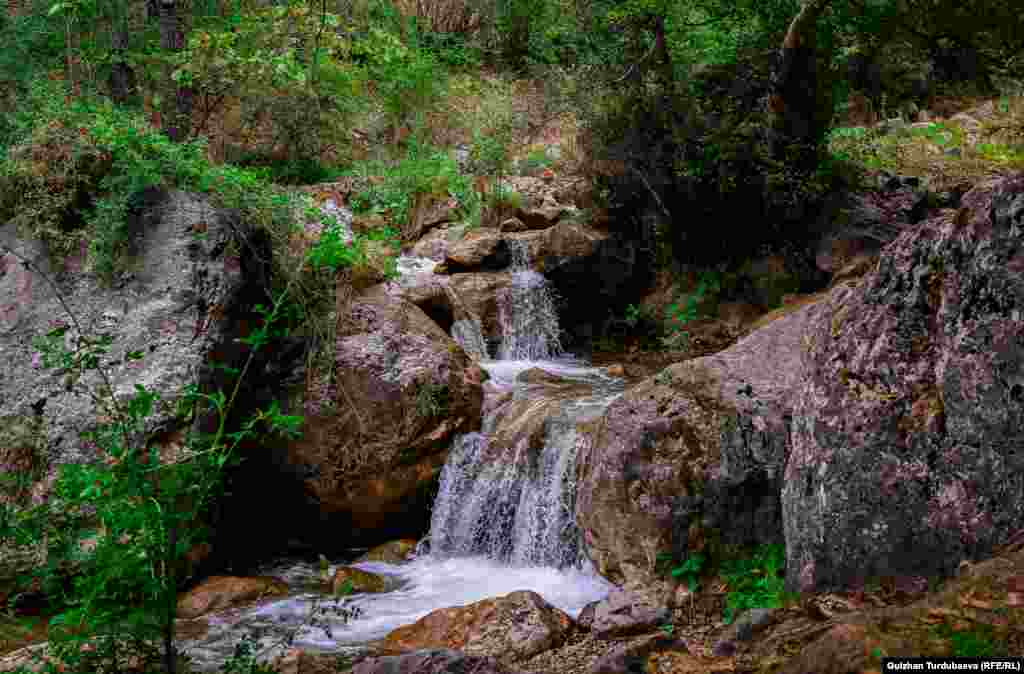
x,y
908,437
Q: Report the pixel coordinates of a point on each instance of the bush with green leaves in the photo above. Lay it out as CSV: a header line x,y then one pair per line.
x,y
74,171
692,306
757,581
423,171
126,522
122,526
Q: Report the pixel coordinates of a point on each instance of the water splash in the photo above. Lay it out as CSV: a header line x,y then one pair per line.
x,y
526,312
516,505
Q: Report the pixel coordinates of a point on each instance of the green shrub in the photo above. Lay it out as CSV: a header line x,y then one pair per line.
x,y
977,642
505,198
78,167
755,582
424,170
535,161
703,301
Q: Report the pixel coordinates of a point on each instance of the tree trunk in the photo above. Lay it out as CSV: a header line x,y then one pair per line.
x,y
177,116
798,122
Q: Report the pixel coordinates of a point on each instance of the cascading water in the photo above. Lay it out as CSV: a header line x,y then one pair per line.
x,y
526,312
503,519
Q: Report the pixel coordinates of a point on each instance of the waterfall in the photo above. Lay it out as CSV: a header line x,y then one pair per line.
x,y
526,312
518,509
516,504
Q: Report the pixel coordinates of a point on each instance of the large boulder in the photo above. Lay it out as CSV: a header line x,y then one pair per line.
x,y
483,249
218,592
909,423
373,449
695,453
478,293
182,304
511,628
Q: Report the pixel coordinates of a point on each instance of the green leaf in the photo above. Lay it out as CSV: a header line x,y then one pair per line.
x,y
57,8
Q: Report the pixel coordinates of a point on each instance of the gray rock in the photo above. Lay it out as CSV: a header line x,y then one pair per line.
x,y
622,613
181,302
910,417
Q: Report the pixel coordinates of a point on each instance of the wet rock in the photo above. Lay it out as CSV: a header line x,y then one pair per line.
x,y
361,581
218,592
622,613
695,452
909,419
536,375
478,293
394,552
514,225
404,389
616,370
432,662
511,628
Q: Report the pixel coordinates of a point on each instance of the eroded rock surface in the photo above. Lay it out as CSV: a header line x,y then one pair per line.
x,y
695,451
910,419
218,592
404,390
511,628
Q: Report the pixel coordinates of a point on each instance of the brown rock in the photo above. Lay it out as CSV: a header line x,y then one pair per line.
x,y
428,211
510,628
406,389
219,592
634,656
362,581
623,613
541,217
616,370
513,225
478,294
475,247
391,553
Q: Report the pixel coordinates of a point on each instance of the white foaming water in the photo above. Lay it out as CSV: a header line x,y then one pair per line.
x,y
424,585
409,265
526,312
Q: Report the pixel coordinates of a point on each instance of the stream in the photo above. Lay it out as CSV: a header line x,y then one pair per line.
x,y
503,519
